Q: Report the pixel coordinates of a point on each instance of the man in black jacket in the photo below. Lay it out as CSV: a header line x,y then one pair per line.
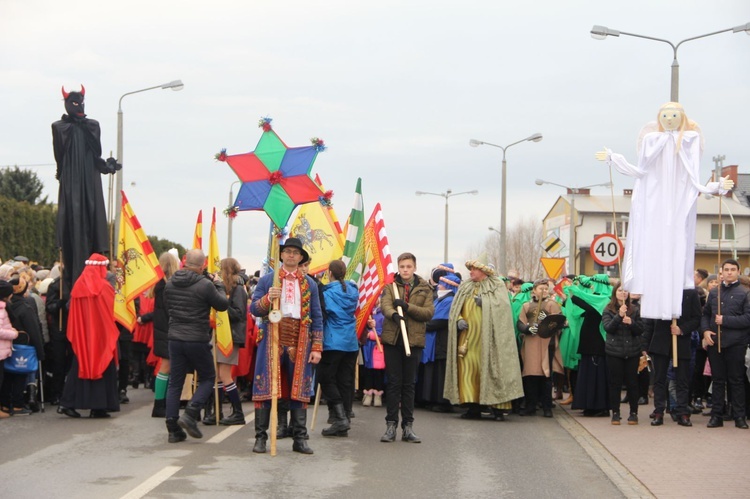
x,y
657,340
189,297
732,321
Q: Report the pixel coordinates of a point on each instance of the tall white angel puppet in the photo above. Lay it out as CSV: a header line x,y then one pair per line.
x,y
660,246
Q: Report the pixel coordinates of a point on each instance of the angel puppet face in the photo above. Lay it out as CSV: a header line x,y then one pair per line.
x,y
671,116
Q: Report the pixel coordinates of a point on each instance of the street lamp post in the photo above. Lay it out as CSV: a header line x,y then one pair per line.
x,y
602,32
476,143
447,194
231,218
572,250
174,85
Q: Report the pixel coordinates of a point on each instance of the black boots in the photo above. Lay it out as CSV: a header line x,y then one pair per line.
x,y
175,432
390,432
189,420
209,414
299,431
160,408
262,419
340,426
282,426
31,399
408,435
236,418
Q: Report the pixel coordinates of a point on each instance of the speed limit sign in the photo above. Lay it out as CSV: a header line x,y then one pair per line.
x,y
606,249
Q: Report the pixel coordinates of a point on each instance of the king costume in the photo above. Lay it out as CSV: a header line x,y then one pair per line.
x,y
482,365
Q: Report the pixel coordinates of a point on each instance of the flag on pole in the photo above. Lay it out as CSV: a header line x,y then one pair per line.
x,y
353,253
198,235
378,269
316,229
221,319
137,267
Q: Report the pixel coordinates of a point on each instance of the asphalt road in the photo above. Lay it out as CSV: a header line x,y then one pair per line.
x,y
128,456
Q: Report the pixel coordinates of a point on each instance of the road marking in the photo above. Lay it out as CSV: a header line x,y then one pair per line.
x,y
620,476
231,430
152,482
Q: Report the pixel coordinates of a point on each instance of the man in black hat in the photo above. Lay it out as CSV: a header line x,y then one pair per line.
x,y
300,326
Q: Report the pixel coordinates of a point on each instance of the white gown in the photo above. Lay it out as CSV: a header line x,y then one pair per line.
x,y
660,249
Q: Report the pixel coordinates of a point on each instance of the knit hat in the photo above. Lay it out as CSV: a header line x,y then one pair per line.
x,y
442,270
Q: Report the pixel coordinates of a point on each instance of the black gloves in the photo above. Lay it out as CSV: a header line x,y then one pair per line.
x,y
396,318
401,303
113,165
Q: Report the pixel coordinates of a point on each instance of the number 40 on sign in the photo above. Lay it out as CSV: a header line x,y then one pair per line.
x,y
606,249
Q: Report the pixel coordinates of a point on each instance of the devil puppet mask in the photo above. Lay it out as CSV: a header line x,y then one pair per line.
x,y
74,102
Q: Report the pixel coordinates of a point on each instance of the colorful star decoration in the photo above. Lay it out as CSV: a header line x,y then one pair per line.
x,y
275,178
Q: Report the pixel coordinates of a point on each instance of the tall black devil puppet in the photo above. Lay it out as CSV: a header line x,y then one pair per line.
x,y
81,216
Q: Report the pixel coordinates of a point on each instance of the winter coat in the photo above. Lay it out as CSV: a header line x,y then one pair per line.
x,y
623,340
340,324
237,312
7,333
189,297
657,334
26,318
420,311
735,309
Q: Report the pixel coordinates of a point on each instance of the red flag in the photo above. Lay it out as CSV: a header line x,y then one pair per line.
x,y
378,270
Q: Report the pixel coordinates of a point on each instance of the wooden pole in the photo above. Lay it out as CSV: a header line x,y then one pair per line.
x,y
315,408
275,350
400,311
217,407
674,345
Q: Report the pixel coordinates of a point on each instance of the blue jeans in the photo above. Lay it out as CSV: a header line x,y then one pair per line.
x,y
185,356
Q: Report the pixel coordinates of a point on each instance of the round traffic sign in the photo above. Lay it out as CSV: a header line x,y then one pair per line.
x,y
606,249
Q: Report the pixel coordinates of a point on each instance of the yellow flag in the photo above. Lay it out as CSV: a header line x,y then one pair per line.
x,y
221,319
137,267
316,226
198,234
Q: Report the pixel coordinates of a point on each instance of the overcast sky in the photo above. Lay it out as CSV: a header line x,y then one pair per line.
x,y
396,89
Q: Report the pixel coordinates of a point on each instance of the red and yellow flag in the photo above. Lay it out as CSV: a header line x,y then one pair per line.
x,y
378,267
221,319
137,267
198,234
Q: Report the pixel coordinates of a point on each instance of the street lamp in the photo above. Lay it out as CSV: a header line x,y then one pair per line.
x,y
476,143
231,218
573,191
447,194
174,85
602,32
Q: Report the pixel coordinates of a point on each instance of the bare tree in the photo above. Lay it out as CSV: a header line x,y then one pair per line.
x,y
523,249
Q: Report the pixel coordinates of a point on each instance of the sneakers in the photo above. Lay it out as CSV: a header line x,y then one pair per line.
x,y
615,418
633,419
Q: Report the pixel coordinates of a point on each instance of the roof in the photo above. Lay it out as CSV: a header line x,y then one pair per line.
x,y
603,204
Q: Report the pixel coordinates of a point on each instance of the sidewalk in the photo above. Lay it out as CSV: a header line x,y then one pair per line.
x,y
670,460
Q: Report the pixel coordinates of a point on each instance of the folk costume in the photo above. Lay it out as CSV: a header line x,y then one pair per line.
x,y
81,216
300,332
431,373
584,314
483,367
660,254
540,357
92,379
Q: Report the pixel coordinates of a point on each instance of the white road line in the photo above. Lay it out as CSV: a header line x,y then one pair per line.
x,y
152,482
231,430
